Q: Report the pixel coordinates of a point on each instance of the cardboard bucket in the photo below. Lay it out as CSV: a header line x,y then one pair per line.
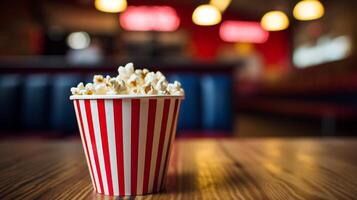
x,y
127,140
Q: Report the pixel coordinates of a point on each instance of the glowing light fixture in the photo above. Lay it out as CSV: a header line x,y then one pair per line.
x,y
325,50
149,18
275,21
110,6
308,10
78,40
243,31
221,5
206,15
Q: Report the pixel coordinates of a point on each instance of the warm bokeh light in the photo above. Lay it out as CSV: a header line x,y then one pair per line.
x,y
275,21
242,31
78,40
308,10
244,49
150,18
110,6
326,49
220,4
206,15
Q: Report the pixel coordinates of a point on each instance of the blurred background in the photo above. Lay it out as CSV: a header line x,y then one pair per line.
x,y
250,68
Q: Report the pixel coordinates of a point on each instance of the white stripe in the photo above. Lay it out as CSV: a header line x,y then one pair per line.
x,y
166,141
109,111
127,144
172,139
98,140
82,139
90,148
144,106
155,143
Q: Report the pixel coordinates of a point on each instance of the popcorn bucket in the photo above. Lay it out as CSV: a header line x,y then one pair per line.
x,y
127,140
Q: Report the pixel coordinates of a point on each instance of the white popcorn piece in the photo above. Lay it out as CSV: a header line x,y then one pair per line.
x,y
133,80
98,79
100,89
78,90
148,89
80,86
161,85
129,68
140,73
74,91
121,70
145,71
129,81
89,89
175,88
126,72
159,75
118,86
151,78
134,90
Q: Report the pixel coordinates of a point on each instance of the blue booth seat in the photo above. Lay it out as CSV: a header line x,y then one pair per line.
x,y
217,106
35,102
10,101
62,111
190,113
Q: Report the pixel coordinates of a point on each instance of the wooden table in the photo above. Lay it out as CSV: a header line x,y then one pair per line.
x,y
200,169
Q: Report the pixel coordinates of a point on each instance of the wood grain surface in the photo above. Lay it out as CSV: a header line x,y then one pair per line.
x,y
200,169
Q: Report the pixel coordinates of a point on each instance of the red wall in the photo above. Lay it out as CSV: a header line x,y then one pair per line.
x,y
205,41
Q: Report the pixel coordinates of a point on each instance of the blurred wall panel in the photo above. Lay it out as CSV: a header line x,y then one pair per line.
x,y
74,18
62,110
35,104
217,106
10,98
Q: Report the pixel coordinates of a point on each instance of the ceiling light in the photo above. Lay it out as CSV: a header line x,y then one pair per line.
x,y
221,5
308,10
275,21
206,15
110,6
149,18
243,31
78,40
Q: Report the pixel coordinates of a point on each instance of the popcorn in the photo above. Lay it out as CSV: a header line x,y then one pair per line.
x,y
125,72
175,88
161,84
100,88
148,89
98,79
150,78
117,86
129,82
78,90
89,89
133,80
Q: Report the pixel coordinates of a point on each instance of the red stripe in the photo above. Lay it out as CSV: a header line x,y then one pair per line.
x,y
85,142
105,145
135,116
118,125
161,140
150,135
172,130
92,138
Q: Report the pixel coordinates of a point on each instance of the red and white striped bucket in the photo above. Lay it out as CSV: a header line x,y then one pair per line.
x,y
127,140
